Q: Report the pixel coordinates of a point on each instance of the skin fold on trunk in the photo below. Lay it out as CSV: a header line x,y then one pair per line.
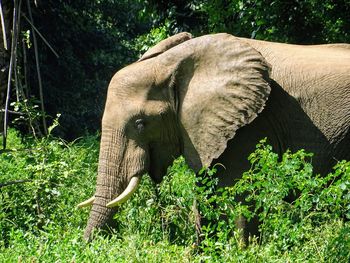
x,y
107,181
116,167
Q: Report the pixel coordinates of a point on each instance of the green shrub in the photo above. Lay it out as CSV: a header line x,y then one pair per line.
x,y
54,172
39,221
316,199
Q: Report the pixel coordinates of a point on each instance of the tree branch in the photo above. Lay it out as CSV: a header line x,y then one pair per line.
x,y
15,182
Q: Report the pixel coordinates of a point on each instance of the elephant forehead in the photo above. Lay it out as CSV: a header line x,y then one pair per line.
x,y
135,78
122,110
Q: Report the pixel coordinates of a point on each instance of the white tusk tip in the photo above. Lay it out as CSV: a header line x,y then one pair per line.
x,y
87,202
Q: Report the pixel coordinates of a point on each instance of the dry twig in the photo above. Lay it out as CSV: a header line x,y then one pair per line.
x,y
37,68
15,182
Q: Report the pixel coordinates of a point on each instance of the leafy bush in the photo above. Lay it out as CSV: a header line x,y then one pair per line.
x,y
39,221
270,183
52,172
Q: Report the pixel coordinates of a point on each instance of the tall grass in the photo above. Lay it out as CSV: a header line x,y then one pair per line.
x,y
39,221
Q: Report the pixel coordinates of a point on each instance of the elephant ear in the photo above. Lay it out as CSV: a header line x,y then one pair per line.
x,y
222,84
166,44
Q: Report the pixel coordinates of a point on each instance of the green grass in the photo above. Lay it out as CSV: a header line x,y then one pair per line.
x,y
39,221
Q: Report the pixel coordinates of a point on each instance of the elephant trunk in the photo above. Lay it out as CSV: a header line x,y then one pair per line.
x,y
115,169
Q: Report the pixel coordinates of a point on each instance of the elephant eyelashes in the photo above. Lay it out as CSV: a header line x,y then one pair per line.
x,y
140,125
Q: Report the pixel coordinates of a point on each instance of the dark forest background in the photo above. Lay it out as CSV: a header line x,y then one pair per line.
x,y
93,39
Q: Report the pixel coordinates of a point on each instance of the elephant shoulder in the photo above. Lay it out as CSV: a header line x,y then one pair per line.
x,y
340,46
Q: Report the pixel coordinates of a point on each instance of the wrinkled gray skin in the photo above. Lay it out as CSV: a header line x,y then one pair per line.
x,y
211,99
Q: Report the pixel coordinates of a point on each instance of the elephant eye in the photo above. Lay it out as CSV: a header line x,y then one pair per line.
x,y
140,125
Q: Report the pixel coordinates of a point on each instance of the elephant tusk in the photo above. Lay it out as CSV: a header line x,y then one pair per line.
x,y
130,189
86,202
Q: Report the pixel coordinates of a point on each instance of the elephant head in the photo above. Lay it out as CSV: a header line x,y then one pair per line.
x,y
185,96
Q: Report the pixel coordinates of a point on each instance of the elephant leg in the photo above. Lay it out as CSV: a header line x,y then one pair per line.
x,y
201,221
247,229
197,222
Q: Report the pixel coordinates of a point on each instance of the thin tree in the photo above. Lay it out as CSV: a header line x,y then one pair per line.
x,y
6,13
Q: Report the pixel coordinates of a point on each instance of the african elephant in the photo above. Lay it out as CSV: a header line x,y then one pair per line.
x,y
211,99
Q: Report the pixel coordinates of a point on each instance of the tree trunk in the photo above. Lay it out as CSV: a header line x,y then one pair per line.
x,y
7,9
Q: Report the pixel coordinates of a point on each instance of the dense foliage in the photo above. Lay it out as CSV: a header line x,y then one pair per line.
x,y
39,221
300,21
92,39
96,38
50,192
